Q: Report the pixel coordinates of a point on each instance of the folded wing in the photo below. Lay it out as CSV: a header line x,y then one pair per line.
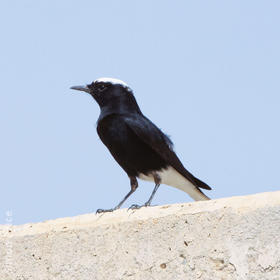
x,y
159,142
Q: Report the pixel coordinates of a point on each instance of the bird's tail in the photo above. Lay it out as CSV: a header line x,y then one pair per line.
x,y
197,193
192,187
198,183
173,178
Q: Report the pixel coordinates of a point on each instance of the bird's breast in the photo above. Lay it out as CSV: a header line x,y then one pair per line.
x,y
129,150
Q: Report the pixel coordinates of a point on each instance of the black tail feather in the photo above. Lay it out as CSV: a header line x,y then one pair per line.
x,y
201,184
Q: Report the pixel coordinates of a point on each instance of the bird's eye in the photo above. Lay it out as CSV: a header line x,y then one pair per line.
x,y
101,87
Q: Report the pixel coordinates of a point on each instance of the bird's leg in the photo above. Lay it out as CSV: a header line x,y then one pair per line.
x,y
148,203
133,185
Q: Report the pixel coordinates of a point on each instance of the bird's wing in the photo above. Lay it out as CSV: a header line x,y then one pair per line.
x,y
159,142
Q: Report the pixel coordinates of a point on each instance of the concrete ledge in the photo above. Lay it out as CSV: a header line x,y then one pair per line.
x,y
231,238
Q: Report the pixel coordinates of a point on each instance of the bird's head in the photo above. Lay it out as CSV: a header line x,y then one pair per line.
x,y
107,91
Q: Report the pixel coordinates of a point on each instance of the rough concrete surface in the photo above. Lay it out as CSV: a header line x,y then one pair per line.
x,y
231,238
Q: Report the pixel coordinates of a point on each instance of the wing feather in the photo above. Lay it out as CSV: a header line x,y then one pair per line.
x,y
159,142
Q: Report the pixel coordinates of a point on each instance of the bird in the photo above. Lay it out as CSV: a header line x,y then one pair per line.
x,y
141,148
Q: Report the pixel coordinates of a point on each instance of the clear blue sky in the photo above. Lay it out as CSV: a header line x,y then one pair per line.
x,y
206,72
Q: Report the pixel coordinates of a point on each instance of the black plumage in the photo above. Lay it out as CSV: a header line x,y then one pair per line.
x,y
139,146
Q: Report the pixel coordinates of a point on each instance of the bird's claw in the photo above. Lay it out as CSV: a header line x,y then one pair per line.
x,y
99,211
136,206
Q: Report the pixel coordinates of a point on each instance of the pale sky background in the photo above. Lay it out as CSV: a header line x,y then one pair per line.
x,y
206,72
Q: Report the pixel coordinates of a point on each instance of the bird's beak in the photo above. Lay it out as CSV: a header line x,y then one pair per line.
x,y
81,88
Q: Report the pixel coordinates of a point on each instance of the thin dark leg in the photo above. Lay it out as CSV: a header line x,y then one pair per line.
x,y
148,203
134,185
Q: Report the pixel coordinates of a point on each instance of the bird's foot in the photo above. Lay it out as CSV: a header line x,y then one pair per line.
x,y
136,206
99,211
